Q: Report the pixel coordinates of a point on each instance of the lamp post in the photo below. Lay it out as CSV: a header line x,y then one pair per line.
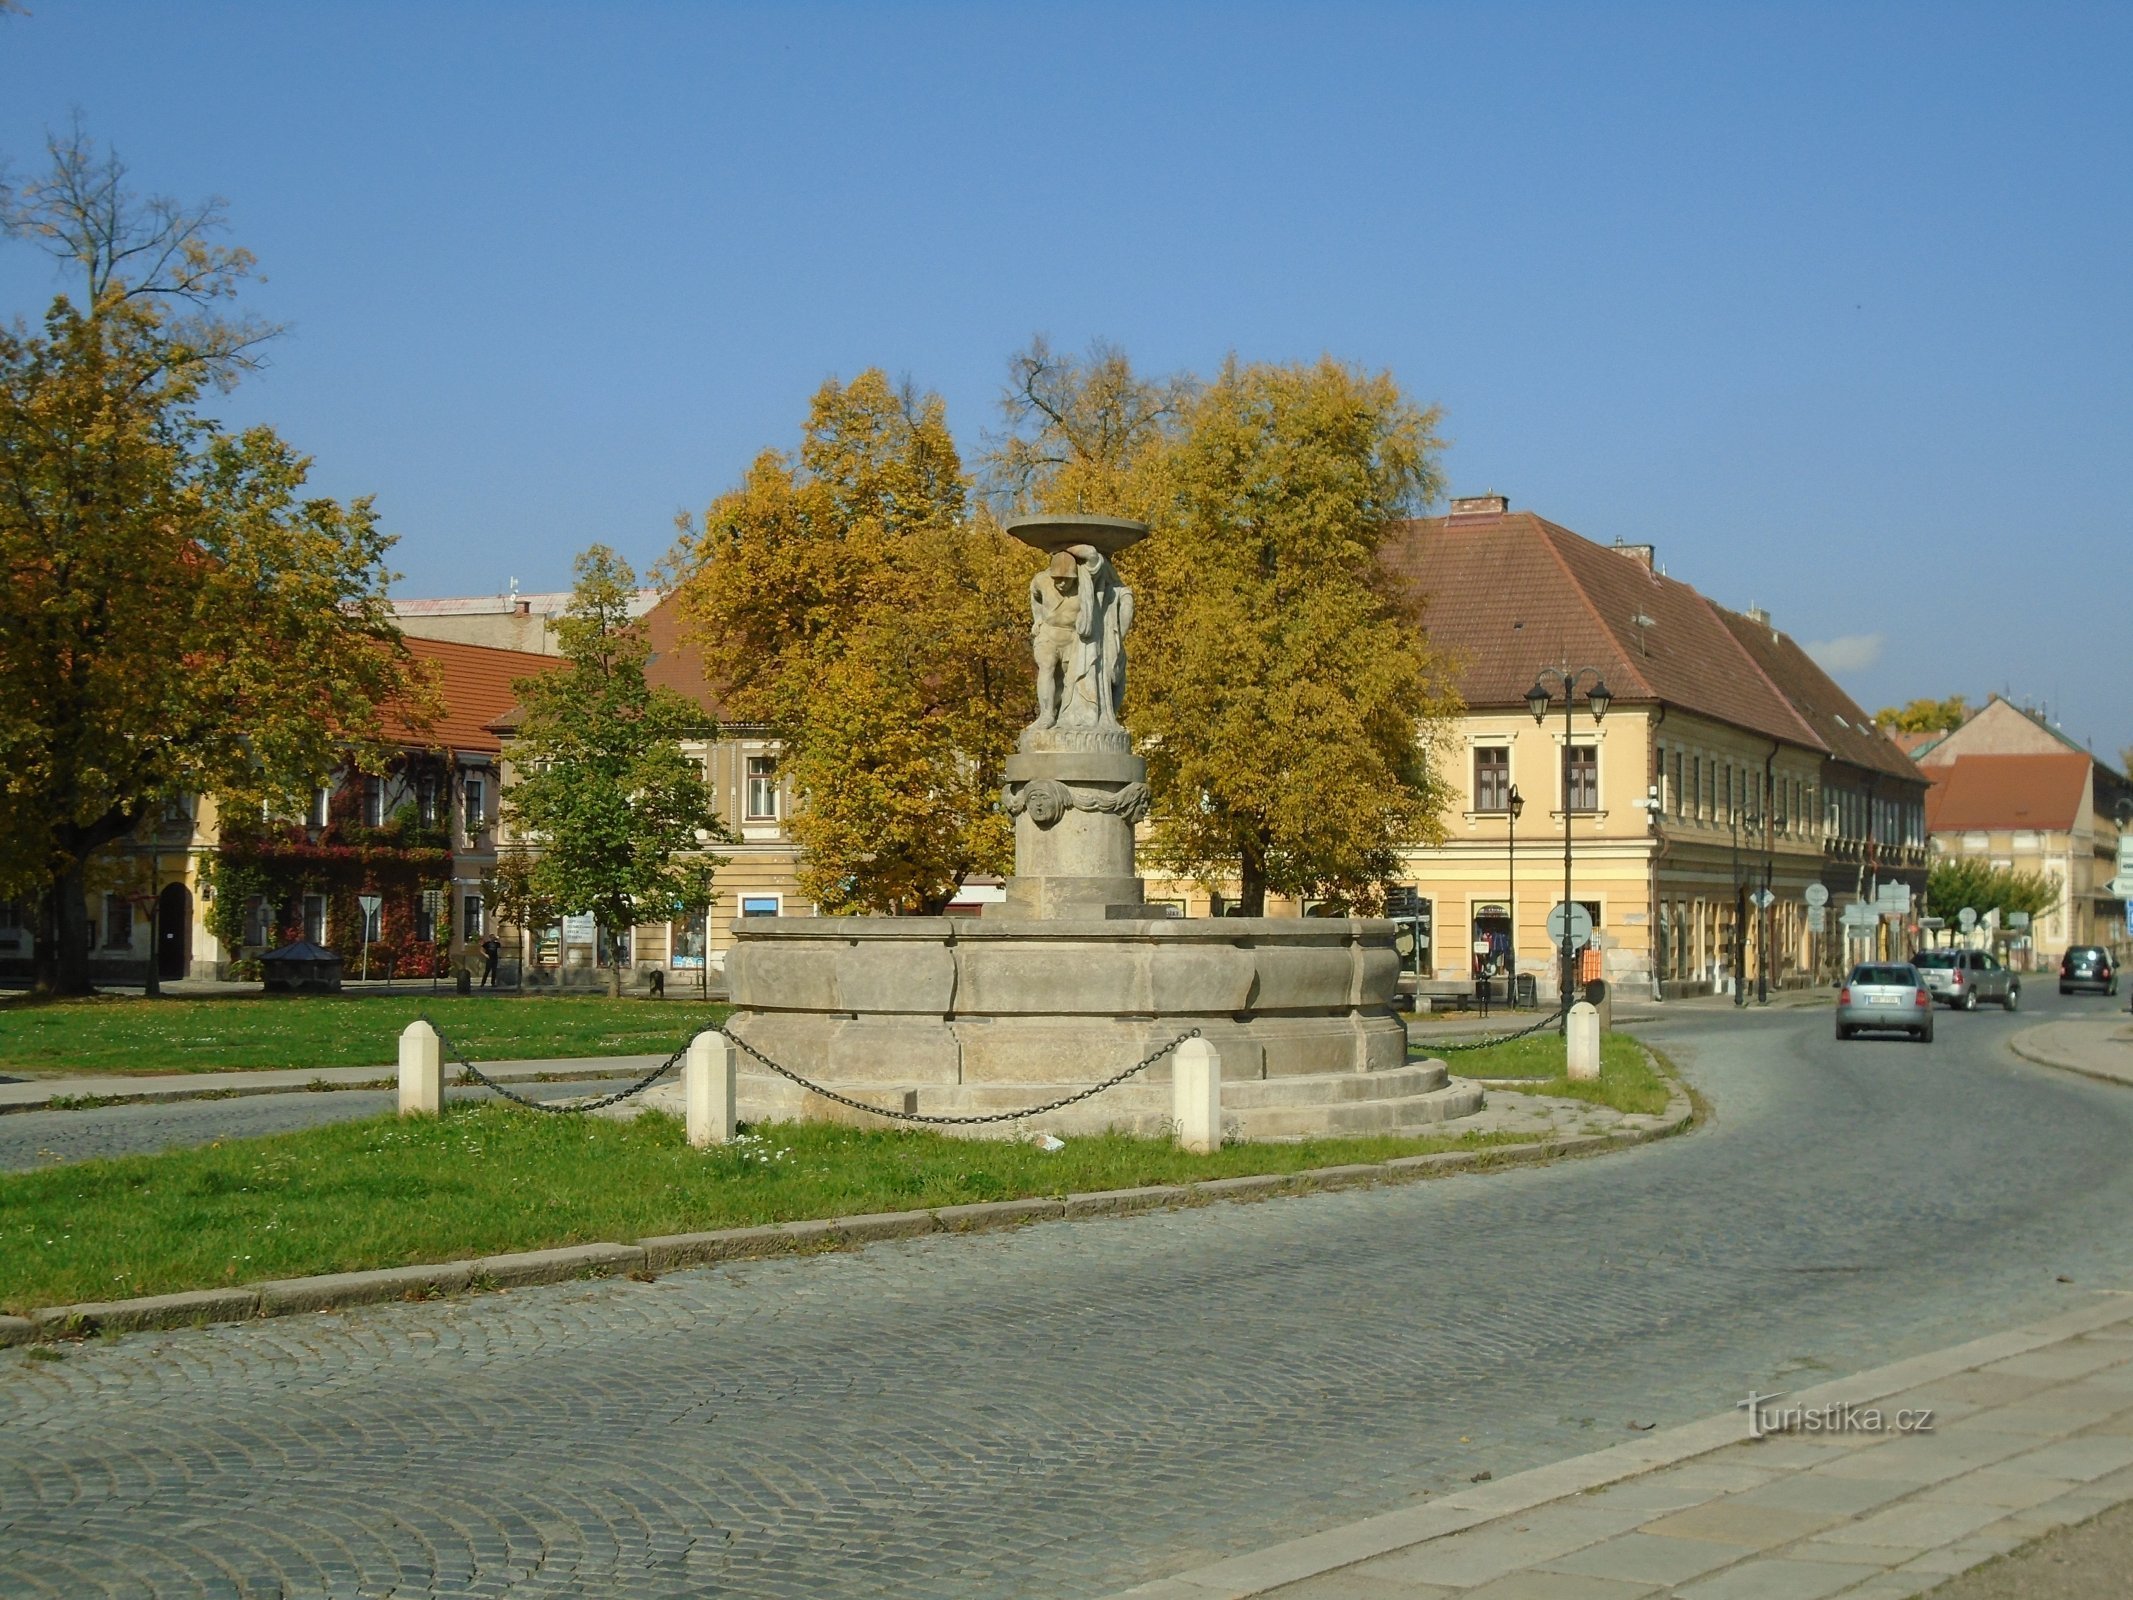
x,y
1514,803
1538,699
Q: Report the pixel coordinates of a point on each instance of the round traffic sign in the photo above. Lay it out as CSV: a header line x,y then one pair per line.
x,y
1967,917
1580,926
1817,894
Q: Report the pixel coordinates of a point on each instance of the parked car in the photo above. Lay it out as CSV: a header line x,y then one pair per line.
x,y
2087,966
1961,978
1882,997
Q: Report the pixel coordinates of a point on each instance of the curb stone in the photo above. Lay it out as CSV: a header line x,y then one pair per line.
x,y
672,1252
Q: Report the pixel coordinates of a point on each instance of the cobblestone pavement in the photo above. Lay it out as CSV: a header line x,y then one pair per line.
x,y
1075,1407
43,1138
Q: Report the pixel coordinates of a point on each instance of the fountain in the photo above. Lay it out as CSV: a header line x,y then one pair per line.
x,y
1074,977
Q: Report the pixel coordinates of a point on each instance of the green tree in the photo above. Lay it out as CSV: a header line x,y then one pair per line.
x,y
612,816
1956,881
179,615
1283,688
1925,716
846,599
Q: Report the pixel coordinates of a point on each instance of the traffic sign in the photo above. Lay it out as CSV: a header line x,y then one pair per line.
x,y
1580,926
1763,899
1817,919
1933,922
1817,895
1967,917
2018,920
1894,897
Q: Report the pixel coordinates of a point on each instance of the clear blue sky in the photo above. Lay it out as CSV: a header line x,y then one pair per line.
x,y
1829,302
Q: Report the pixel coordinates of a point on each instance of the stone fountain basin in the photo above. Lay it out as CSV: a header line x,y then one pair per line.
x,y
932,1000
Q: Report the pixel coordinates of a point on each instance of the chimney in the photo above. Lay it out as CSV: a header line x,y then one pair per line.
x,y
1481,505
1758,616
1645,555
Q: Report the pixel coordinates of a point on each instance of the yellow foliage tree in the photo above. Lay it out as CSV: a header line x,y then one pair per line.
x,y
1283,689
846,598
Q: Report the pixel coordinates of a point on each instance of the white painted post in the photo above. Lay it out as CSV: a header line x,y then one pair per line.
x,y
708,1082
1196,1096
1584,1039
421,1071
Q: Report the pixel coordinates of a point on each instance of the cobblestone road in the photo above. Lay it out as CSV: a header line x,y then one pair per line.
x,y
1066,1410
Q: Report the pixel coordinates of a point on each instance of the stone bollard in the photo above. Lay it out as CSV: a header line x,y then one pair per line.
x,y
708,1082
1196,1096
421,1071
1583,1037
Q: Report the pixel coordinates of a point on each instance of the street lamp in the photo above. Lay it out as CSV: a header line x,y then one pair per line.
x,y
1515,803
1538,699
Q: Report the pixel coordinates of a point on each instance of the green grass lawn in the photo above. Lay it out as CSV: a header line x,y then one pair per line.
x,y
1628,1081
483,1180
121,1035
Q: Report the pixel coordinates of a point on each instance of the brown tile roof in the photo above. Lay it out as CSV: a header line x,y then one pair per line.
x,y
1983,792
1511,592
474,682
674,664
1847,731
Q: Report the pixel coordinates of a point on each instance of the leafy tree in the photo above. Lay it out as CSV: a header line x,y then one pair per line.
x,y
1957,881
847,600
1283,690
1925,716
611,816
179,616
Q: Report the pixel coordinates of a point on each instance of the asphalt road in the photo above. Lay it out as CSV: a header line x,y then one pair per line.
x,y
47,1138
1072,1408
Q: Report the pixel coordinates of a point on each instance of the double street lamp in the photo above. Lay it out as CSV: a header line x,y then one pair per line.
x,y
1538,699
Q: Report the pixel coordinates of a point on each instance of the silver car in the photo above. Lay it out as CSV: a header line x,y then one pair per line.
x,y
1962,978
1885,997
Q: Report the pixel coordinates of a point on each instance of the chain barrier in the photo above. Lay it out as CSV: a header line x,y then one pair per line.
x,y
1079,1095
1443,1047
476,1075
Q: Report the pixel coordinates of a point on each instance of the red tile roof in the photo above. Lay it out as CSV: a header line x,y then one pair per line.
x,y
1985,792
674,664
1847,731
474,683
1511,592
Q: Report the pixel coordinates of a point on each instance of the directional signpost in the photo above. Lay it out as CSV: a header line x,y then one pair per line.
x,y
370,904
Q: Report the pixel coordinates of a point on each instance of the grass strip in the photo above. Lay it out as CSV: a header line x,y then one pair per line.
x,y
119,1034
387,1192
1629,1081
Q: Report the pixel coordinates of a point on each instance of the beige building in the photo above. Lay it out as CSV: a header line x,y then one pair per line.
x,y
507,621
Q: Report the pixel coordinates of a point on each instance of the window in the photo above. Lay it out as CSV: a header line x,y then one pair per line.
x,y
1677,783
429,911
321,808
258,921
612,949
470,918
759,905
1696,787
373,802
1581,777
686,940
315,916
1492,779
426,799
118,922
477,805
761,804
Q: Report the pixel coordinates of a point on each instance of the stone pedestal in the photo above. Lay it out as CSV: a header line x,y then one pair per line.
x,y
1074,814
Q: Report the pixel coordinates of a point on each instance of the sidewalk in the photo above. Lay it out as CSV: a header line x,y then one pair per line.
x,y
2095,1047
36,1094
2030,1431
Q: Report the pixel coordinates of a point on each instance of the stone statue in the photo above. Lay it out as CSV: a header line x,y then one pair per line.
x,y
1079,617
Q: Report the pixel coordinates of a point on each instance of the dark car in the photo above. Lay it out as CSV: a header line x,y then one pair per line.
x,y
2087,966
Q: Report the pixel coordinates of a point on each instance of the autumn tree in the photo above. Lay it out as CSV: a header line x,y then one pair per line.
x,y
179,615
1283,690
1925,716
612,815
1956,881
847,599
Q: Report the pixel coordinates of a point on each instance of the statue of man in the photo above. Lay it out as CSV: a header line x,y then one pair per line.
x,y
1079,614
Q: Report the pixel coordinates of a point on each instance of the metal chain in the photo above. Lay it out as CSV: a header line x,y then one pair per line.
x,y
478,1076
1446,1048
1111,1082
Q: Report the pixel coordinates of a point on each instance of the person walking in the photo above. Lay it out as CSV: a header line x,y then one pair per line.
x,y
491,948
